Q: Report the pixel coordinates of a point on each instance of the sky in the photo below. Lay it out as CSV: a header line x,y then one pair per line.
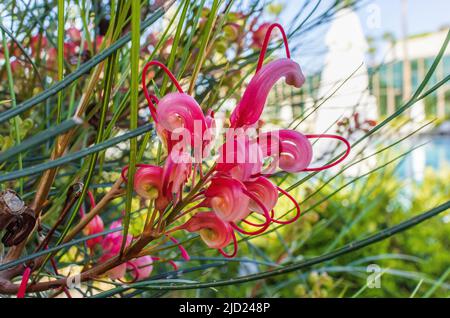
x,y
377,18
423,16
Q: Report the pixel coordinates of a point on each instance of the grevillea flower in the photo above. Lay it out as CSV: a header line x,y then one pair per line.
x,y
251,105
265,191
176,171
140,267
235,186
93,227
111,245
289,149
226,197
179,112
176,114
259,34
213,231
148,184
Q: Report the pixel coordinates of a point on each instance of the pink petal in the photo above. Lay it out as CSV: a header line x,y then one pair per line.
x,y
177,170
213,231
93,227
250,108
177,112
226,197
265,191
148,184
291,150
112,242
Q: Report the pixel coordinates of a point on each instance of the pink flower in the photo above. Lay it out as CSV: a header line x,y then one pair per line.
x,y
240,157
38,41
52,55
213,231
265,191
140,267
259,34
176,171
111,245
251,105
289,149
93,227
178,113
179,118
148,184
234,187
226,197
74,35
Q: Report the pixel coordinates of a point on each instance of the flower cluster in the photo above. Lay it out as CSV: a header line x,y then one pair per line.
x,y
238,183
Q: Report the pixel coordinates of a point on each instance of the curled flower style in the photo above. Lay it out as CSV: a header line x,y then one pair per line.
x,y
265,191
226,198
339,160
215,232
249,109
251,105
148,184
176,114
184,253
297,209
289,149
179,112
266,41
151,99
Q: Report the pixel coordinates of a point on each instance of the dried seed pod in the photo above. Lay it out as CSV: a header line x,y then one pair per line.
x,y
15,217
